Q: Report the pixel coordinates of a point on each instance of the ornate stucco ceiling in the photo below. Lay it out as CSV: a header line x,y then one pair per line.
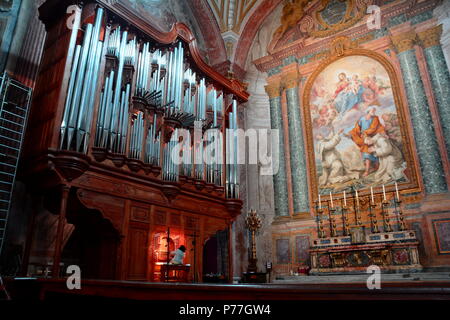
x,y
231,14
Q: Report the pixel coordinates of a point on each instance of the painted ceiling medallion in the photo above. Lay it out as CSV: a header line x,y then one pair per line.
x,y
336,15
334,12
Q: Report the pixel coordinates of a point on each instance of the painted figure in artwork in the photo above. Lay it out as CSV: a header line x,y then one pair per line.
x,y
366,127
348,93
333,170
390,159
355,126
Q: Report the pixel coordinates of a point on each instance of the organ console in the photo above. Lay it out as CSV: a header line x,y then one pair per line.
x,y
131,125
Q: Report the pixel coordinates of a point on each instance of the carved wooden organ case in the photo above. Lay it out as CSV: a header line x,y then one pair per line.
x,y
114,100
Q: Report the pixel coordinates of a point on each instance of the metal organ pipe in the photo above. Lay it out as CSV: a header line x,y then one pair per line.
x,y
91,102
69,94
92,66
75,102
183,96
82,88
117,93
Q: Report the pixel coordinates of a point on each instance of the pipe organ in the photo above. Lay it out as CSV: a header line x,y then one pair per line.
x,y
135,126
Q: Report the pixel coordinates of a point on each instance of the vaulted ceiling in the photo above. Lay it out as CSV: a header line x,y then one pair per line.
x,y
225,28
231,14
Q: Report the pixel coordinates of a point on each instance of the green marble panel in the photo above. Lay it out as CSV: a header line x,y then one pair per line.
x,y
440,78
279,179
297,152
424,134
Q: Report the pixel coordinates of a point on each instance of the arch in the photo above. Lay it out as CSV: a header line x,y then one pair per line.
x,y
250,30
406,135
210,31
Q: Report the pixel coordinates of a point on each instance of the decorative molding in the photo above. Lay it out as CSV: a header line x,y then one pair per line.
x,y
340,45
405,41
290,80
431,37
273,90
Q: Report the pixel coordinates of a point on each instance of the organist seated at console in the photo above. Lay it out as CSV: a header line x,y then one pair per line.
x,y
178,255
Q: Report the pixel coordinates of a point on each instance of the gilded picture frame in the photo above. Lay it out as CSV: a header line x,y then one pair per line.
x,y
413,186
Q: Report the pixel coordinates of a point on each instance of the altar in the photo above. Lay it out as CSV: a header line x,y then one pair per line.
x,y
390,251
378,235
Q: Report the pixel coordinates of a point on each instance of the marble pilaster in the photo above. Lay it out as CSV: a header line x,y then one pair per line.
x,y
440,77
281,201
424,134
296,144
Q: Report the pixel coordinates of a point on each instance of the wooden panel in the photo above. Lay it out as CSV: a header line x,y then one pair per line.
x,y
160,217
137,252
112,208
191,223
175,219
140,214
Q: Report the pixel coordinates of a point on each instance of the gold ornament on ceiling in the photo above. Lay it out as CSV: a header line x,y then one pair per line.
x,y
336,15
320,18
293,12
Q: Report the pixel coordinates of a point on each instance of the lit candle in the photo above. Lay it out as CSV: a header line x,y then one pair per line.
x,y
331,198
396,191
371,194
345,200
384,193
320,203
357,198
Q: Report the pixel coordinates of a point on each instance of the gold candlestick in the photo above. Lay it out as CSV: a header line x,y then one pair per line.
x,y
332,222
321,230
253,223
358,214
345,224
357,207
386,220
319,210
401,222
373,217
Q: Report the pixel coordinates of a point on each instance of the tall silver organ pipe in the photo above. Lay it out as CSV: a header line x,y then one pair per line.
x,y
232,154
153,144
143,70
136,137
187,156
82,88
190,92
201,110
170,167
116,104
113,114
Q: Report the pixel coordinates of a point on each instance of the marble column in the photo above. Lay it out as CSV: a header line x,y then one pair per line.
x,y
423,128
296,145
279,179
440,77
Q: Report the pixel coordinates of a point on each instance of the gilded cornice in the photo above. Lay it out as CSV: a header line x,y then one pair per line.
x,y
431,37
273,89
404,41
